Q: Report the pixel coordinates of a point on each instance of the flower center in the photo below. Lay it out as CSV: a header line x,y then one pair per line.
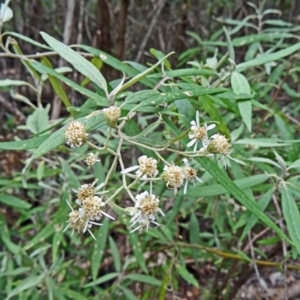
x,y
85,191
147,166
200,133
148,205
190,173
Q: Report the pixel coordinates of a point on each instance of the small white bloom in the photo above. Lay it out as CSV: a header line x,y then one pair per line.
x,y
173,176
91,159
144,211
88,190
147,167
91,207
80,222
75,134
190,174
112,114
199,133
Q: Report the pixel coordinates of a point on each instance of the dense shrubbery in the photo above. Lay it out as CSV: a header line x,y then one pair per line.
x,y
199,164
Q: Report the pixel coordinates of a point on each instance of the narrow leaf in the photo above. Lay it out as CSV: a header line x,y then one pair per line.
x,y
78,62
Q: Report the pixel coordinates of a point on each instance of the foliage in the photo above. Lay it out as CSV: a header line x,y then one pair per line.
x,y
246,188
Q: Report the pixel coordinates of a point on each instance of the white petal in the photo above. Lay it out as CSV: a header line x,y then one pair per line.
x,y
129,169
185,186
92,234
193,123
198,179
161,212
107,215
186,162
211,126
191,136
191,143
195,148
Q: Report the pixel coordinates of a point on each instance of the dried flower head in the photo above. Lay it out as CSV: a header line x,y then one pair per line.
x,y
147,167
173,176
112,114
91,159
144,211
92,208
88,190
78,222
190,174
75,134
218,144
199,133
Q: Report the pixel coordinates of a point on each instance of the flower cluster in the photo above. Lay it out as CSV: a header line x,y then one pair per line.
x,y
75,134
216,144
143,213
90,208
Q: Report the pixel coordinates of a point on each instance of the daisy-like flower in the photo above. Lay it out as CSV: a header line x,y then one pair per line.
x,y
173,176
218,144
75,134
79,222
199,133
91,159
88,190
91,207
144,211
147,167
112,114
190,174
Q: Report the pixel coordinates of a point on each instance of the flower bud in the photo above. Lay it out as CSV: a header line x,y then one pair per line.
x,y
112,115
75,134
218,144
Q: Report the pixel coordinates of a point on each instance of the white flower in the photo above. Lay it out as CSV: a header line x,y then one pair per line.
x,y
75,134
190,174
218,144
147,167
199,133
173,176
144,211
88,190
80,222
91,159
91,207
112,114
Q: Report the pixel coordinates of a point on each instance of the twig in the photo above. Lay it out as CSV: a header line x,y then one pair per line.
x,y
150,29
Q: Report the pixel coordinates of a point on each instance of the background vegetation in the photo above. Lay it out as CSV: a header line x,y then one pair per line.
x,y
213,239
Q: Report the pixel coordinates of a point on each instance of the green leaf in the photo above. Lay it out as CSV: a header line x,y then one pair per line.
x,y
26,284
71,177
92,121
102,279
140,76
190,72
41,236
56,85
26,39
240,85
263,142
137,251
10,82
186,275
215,115
14,201
171,96
236,192
115,254
217,189
38,121
99,246
268,57
291,215
263,203
77,61
143,278
128,293
118,65
229,44
44,69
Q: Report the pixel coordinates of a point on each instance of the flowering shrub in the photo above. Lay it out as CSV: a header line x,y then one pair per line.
x,y
142,153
